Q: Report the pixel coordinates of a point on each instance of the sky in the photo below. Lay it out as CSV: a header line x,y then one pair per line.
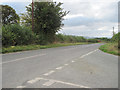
x,y
89,18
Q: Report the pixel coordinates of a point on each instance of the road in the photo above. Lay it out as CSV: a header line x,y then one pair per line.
x,y
80,66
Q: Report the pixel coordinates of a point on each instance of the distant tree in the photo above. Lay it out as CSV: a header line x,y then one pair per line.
x,y
103,39
48,18
9,15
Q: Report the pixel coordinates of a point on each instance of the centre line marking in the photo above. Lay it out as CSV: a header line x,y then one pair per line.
x,y
23,58
33,80
46,74
65,64
88,53
20,86
73,61
59,68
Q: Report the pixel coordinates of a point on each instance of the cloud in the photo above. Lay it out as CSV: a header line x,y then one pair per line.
x,y
97,9
80,21
87,31
73,16
98,18
19,7
86,1
98,29
3,1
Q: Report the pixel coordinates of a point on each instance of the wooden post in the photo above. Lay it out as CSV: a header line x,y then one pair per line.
x,y
32,16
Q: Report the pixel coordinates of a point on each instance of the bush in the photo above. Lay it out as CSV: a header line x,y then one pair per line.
x,y
17,35
116,39
93,40
41,39
69,38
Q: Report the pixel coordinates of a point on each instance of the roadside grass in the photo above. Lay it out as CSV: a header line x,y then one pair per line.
x,y
35,47
111,48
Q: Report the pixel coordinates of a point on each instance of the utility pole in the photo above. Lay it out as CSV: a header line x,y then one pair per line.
x,y
113,31
32,16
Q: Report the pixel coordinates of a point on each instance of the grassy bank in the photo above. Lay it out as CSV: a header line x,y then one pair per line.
x,y
34,47
111,48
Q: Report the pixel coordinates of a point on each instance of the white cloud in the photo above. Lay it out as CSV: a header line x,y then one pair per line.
x,y
86,1
98,29
73,16
91,18
2,1
103,28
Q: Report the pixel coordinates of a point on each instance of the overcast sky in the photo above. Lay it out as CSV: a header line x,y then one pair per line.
x,y
91,18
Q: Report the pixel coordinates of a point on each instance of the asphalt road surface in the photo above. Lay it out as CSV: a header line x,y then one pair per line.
x,y
81,66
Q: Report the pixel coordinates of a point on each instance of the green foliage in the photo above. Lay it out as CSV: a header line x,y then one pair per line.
x,y
33,47
48,18
69,38
9,15
103,39
116,38
92,40
111,48
16,35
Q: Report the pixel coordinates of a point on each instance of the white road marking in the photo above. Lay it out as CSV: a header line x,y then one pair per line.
x,y
88,53
34,80
49,83
23,58
73,61
58,68
20,86
66,64
72,84
46,74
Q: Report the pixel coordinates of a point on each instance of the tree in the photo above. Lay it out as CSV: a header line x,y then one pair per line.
x,y
116,38
48,17
9,15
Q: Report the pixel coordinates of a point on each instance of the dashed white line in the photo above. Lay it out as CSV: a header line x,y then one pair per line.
x,y
51,81
58,68
88,53
20,86
33,81
46,74
66,64
72,61
23,58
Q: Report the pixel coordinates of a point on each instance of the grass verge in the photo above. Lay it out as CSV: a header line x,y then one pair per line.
x,y
111,48
35,47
